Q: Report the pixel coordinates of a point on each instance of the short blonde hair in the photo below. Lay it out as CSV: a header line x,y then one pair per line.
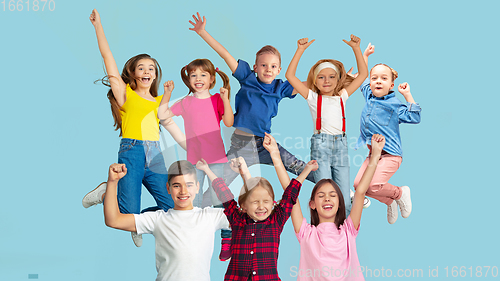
x,y
268,49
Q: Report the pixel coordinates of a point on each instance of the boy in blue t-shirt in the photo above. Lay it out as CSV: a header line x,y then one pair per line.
x,y
256,103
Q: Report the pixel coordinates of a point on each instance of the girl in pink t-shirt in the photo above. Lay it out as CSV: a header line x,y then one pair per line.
x,y
202,113
328,244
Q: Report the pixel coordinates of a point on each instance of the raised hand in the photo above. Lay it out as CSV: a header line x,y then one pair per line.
x,y
404,88
304,43
116,172
202,165
354,41
270,144
168,86
224,94
237,164
350,73
95,18
313,165
198,24
369,50
378,142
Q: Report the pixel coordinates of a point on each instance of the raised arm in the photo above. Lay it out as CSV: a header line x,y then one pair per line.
x,y
112,216
165,115
228,117
115,80
378,142
271,146
362,67
404,89
199,27
299,87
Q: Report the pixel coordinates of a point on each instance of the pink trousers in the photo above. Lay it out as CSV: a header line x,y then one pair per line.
x,y
379,187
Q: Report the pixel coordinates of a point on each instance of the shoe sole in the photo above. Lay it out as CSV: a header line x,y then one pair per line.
x,y
89,194
411,206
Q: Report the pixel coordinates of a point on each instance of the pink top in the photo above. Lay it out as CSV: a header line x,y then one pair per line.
x,y
202,125
327,253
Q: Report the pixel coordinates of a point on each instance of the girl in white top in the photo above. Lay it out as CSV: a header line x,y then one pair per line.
x,y
328,87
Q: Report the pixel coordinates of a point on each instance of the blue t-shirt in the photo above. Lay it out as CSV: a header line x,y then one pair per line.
x,y
256,102
383,116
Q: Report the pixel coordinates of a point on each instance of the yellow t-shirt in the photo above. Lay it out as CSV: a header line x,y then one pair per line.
x,y
140,117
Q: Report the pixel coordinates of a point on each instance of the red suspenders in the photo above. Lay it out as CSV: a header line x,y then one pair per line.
x,y
318,118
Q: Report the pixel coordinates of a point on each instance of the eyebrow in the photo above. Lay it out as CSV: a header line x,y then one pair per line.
x,y
144,64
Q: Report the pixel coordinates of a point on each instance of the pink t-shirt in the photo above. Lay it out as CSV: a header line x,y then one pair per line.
x,y
202,125
327,253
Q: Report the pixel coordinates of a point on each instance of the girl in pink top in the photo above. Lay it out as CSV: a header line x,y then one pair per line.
x,y
202,113
328,244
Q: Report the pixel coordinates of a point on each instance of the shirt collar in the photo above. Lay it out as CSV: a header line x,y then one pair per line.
x,y
386,97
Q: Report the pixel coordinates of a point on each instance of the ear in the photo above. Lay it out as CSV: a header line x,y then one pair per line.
x,y
168,188
392,86
212,79
279,70
254,68
312,205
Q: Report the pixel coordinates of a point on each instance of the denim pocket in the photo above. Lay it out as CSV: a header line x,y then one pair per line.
x,y
382,114
124,147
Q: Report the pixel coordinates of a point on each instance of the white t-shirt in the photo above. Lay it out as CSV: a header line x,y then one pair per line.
x,y
331,112
184,241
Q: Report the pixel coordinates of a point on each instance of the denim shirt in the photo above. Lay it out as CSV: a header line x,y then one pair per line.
x,y
383,116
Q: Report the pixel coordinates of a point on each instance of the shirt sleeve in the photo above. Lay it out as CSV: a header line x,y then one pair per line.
x,y
365,88
146,222
242,71
409,113
287,201
227,199
349,225
221,219
304,227
177,108
286,90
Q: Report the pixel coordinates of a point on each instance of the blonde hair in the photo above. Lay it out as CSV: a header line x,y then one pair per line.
x,y
343,80
268,49
250,185
204,65
394,72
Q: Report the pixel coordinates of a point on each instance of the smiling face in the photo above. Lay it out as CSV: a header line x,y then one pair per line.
x,y
267,67
326,203
183,189
259,204
200,80
144,72
326,81
381,81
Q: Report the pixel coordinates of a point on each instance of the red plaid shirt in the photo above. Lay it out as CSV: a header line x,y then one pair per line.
x,y
254,245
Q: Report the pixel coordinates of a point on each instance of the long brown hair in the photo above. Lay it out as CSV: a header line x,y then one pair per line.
x,y
343,80
205,65
340,216
129,78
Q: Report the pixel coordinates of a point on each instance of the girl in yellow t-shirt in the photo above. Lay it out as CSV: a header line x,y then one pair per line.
x,y
134,103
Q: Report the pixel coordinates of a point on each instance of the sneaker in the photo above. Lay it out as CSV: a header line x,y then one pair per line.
x,y
366,202
95,196
137,239
392,212
225,250
405,202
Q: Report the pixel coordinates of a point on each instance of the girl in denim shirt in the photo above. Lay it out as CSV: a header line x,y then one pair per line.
x,y
328,87
382,114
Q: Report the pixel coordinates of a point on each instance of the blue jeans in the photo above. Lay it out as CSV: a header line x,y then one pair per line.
x,y
330,151
252,150
145,165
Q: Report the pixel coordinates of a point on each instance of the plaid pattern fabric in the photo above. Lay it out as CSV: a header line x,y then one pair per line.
x,y
254,245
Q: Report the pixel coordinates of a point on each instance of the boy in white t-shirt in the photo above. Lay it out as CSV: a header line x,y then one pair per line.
x,y
184,235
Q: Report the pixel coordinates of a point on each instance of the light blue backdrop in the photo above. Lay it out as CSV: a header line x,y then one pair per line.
x,y
58,139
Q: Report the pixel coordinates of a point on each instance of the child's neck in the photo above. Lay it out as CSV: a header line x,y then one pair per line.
x,y
202,95
322,220
143,91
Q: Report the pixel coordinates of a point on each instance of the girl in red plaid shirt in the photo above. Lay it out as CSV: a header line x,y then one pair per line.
x,y
257,223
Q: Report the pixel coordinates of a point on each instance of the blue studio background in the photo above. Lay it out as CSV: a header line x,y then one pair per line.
x,y
58,140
